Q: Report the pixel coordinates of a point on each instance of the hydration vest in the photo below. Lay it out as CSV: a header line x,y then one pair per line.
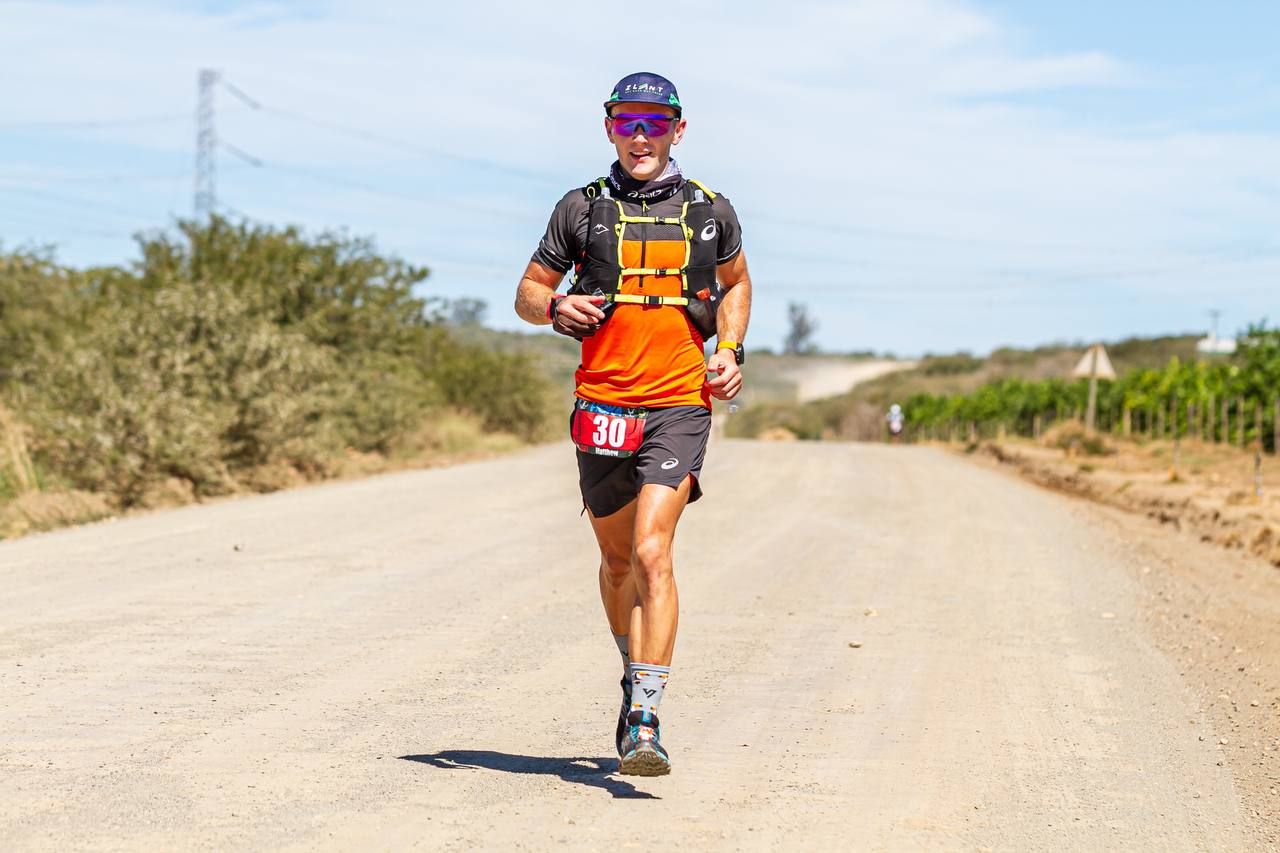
x,y
601,271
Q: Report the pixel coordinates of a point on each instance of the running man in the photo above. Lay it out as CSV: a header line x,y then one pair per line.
x,y
658,269
896,420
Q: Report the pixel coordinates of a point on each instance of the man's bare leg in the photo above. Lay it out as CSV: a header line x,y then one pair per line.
x,y
618,593
637,587
617,581
657,612
637,581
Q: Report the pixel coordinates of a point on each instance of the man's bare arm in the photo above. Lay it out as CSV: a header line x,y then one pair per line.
x,y
576,316
735,309
731,325
533,295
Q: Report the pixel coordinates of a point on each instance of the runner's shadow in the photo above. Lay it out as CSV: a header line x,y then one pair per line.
x,y
591,772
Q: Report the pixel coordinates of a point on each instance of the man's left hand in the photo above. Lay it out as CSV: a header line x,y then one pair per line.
x,y
729,381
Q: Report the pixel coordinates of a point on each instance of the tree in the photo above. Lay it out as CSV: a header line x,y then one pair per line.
x,y
467,312
799,340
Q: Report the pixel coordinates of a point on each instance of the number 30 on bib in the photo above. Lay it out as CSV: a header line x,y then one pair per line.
x,y
606,430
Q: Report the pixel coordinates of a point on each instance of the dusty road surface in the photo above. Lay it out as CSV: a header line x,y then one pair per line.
x,y
828,377
880,649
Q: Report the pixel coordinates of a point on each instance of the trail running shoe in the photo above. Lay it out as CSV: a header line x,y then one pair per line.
x,y
642,752
622,714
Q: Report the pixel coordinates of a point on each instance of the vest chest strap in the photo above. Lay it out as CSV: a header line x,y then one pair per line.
x,y
651,220
626,271
636,299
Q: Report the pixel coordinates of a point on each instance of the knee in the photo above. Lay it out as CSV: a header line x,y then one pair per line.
x,y
616,568
652,560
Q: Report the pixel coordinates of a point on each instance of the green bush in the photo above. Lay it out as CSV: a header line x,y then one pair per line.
x,y
186,382
1016,406
950,365
506,392
39,306
229,349
1181,389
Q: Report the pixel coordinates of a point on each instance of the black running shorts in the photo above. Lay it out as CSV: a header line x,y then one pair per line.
x,y
673,447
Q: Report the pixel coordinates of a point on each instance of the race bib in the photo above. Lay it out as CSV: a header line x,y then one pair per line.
x,y
606,430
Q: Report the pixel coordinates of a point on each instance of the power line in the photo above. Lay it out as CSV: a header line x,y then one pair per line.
x,y
239,214
363,134
384,139
369,189
91,124
40,180
78,203
20,211
83,232
414,147
881,233
256,162
239,93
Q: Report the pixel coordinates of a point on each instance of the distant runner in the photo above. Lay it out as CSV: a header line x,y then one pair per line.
x,y
896,420
658,269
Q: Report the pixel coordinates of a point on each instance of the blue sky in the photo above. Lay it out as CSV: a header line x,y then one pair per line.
x,y
927,175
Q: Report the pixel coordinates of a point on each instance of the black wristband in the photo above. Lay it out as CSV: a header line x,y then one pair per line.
x,y
554,305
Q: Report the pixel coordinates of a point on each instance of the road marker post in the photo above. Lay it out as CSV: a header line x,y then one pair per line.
x,y
1093,366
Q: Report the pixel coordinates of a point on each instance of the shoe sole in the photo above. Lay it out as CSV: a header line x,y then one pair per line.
x,y
644,762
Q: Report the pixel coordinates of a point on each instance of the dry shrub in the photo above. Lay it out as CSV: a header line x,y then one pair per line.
x,y
1072,438
378,399
277,476
36,511
17,473
234,357
451,434
187,382
504,391
777,434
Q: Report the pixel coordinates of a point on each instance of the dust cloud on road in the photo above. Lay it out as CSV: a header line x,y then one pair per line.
x,y
829,377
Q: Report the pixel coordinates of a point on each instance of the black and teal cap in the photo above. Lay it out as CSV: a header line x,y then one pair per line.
x,y
647,88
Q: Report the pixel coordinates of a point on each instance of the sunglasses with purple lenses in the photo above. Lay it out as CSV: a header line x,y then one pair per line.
x,y
629,124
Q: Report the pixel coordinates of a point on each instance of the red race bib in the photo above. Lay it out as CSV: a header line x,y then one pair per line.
x,y
606,430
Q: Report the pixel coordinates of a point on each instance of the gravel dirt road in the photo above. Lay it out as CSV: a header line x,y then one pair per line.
x,y
880,649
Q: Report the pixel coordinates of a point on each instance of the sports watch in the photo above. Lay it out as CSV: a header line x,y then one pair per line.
x,y
739,354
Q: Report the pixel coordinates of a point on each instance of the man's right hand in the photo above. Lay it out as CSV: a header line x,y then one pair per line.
x,y
578,316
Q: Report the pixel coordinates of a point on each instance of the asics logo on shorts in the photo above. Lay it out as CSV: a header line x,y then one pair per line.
x,y
670,463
